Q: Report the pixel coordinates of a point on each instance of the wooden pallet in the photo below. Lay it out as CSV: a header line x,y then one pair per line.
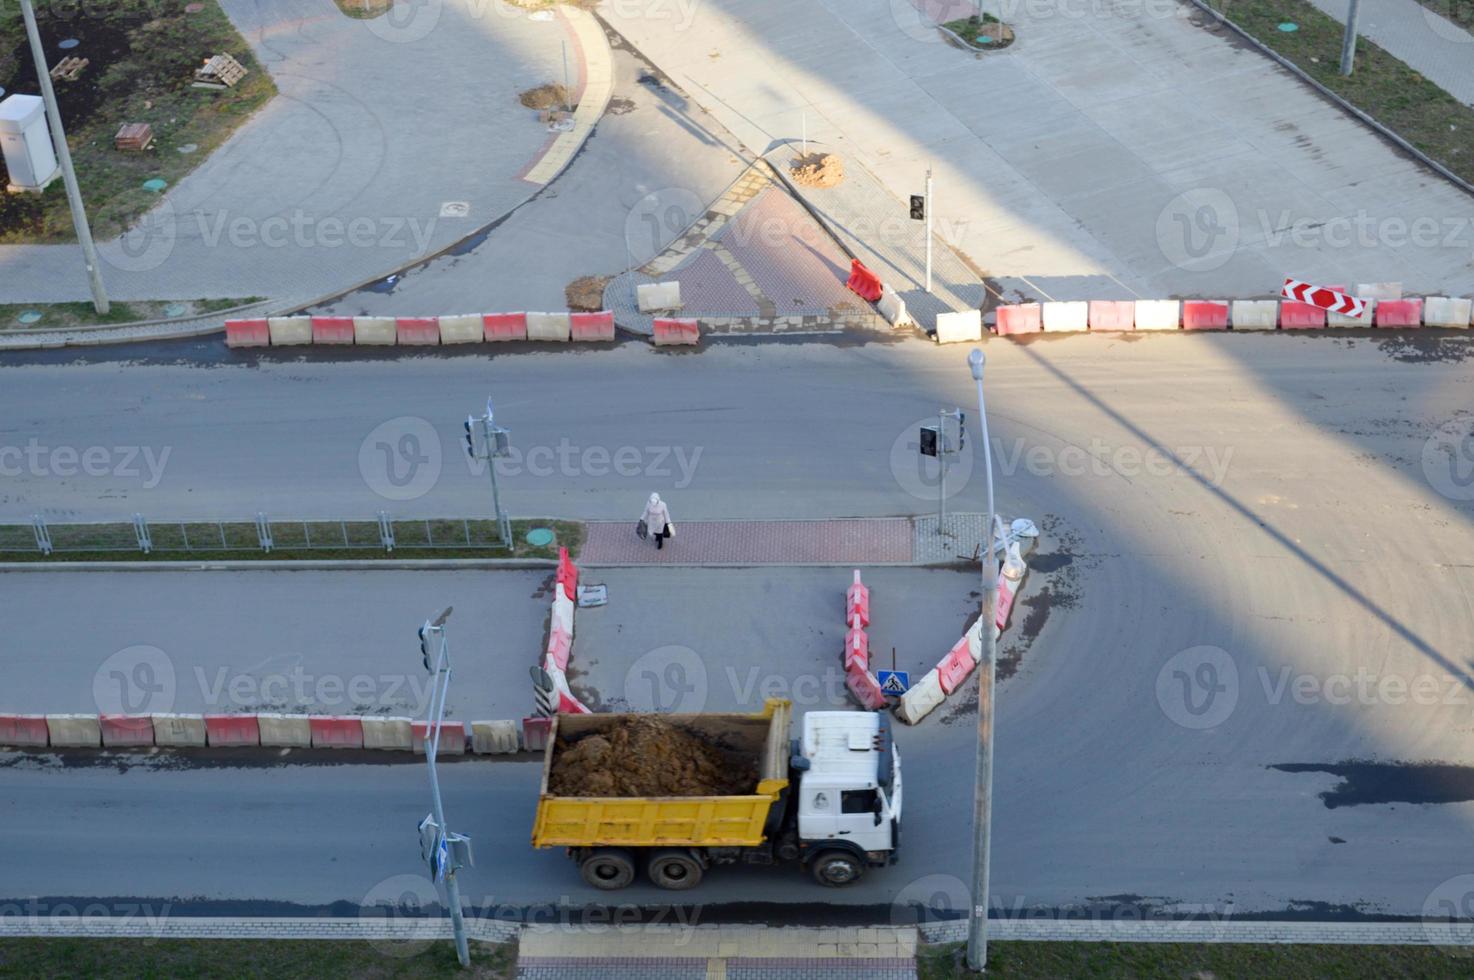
x,y
69,69
134,136
219,72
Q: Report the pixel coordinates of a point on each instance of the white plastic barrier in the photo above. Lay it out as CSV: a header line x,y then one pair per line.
x,y
1254,314
290,331
461,329
387,733
562,612
1066,317
922,698
893,307
1447,311
652,296
548,326
285,731
959,327
188,730
494,737
1158,314
75,731
1379,290
375,330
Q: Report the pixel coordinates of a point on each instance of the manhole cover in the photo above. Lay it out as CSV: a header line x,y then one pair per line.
x,y
171,310
540,537
29,317
68,44
188,147
1289,27
155,185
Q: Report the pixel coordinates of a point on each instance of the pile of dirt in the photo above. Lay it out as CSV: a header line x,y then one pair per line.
x,y
817,170
550,96
586,294
644,755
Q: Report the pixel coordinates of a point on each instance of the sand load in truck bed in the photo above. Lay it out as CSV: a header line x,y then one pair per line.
x,y
645,755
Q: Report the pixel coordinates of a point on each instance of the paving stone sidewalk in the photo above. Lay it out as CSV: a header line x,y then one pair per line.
x,y
736,952
849,541
1419,37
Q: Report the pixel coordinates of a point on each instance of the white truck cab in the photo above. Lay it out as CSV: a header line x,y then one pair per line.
x,y
849,793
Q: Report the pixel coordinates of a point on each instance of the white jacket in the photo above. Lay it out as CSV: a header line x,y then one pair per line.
x,y
656,517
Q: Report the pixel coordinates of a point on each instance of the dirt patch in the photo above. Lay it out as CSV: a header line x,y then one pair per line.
x,y
550,96
645,755
586,294
817,170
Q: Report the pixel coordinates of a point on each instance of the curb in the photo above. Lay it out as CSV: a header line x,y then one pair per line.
x,y
1369,120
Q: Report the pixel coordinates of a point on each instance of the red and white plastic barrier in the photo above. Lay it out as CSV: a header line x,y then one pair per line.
x,y
336,731
561,699
332,330
411,331
24,730
125,731
593,327
863,282
1381,305
960,661
669,331
858,677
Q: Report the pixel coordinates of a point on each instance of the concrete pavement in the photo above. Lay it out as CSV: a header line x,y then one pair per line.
x,y
348,173
1108,153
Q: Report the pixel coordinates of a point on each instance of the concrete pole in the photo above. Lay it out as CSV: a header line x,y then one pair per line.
x,y
977,923
64,157
1348,44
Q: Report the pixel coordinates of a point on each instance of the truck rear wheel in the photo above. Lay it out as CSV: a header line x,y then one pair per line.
x,y
676,870
836,869
608,868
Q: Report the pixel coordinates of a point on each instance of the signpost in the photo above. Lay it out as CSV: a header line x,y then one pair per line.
x,y
894,683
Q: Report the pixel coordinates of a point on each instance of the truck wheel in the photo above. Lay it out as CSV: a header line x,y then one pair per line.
x,y
676,870
608,868
837,869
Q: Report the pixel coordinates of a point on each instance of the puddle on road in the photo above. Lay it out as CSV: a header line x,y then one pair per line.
x,y
1390,782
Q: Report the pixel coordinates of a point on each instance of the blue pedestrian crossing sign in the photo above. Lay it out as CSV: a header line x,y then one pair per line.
x,y
893,682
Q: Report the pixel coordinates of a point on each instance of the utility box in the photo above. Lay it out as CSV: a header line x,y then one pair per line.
x,y
26,139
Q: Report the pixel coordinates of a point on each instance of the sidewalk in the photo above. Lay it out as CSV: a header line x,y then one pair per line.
x,y
876,226
1113,152
349,173
850,541
734,952
1418,37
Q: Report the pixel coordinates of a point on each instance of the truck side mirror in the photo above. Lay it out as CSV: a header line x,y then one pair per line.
x,y
876,808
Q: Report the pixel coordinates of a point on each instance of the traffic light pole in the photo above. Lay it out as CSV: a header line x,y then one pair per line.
x,y
434,718
495,441
1348,41
928,229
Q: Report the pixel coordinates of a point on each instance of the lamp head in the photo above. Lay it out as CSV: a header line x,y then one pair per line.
x,y
975,362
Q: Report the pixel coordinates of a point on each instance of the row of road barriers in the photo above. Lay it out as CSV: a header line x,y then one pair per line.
x,y
419,331
265,730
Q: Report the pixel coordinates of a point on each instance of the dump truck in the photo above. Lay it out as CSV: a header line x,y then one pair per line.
x,y
829,801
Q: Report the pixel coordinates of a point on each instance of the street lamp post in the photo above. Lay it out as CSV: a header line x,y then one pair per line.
x,y
977,925
1348,40
64,158
446,852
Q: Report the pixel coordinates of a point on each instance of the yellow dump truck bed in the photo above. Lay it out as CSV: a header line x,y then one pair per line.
x,y
697,821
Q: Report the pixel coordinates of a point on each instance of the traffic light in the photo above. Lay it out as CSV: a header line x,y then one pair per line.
x,y
470,437
918,207
961,431
928,440
425,634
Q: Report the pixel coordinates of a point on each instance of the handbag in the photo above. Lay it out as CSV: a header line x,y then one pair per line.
x,y
642,530
670,529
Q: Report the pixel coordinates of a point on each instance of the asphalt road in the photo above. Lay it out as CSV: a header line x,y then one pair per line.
x,y
1268,569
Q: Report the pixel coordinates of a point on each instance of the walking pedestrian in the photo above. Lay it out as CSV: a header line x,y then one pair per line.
x,y
657,519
